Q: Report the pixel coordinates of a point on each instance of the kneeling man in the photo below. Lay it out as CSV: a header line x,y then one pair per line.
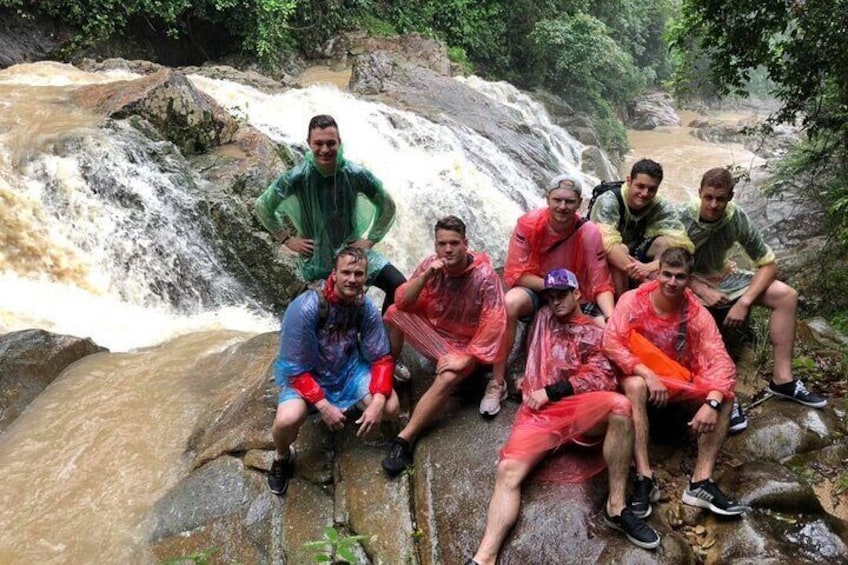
x,y
670,350
568,390
334,354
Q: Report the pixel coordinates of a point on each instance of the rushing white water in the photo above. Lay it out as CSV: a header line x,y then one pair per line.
x,y
104,223
430,169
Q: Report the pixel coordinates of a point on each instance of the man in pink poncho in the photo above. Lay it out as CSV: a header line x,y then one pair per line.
x,y
551,238
569,396
669,349
452,311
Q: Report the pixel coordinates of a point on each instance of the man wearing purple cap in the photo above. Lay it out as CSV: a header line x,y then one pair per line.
x,y
568,390
550,238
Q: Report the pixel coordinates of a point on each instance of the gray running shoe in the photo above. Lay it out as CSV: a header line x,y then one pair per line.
x,y
706,494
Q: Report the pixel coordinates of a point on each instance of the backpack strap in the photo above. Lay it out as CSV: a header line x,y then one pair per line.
x,y
324,312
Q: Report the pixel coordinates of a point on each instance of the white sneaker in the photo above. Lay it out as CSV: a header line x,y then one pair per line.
x,y
492,398
402,374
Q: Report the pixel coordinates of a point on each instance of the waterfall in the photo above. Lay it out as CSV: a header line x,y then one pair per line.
x,y
101,234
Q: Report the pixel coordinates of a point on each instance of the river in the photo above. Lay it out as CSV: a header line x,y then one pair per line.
x,y
82,466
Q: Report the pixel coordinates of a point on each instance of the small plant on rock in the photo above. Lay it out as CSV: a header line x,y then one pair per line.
x,y
334,548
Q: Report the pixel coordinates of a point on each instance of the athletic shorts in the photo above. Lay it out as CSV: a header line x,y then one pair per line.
x,y
346,394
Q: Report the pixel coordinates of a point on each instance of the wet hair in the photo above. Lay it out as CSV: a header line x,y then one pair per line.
x,y
321,121
647,167
451,223
678,257
354,253
718,177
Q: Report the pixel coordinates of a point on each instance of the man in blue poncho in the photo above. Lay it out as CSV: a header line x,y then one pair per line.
x,y
328,203
334,354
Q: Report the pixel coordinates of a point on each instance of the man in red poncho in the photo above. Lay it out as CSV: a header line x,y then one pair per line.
x,y
551,238
669,349
452,311
568,390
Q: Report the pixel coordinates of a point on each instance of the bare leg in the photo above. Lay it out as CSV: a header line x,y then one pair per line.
x,y
430,404
287,422
618,449
504,507
710,444
395,340
518,304
637,393
782,299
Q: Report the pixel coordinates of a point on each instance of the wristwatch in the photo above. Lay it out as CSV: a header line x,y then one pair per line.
x,y
713,403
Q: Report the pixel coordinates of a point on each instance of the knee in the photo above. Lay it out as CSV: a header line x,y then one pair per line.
x,y
447,381
289,415
635,389
514,301
621,408
509,473
788,296
392,407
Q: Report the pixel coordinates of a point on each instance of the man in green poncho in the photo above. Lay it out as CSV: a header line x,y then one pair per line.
x,y
714,224
330,202
637,226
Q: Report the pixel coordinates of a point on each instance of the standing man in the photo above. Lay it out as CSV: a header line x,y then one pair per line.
x,y
452,311
714,223
637,225
543,240
330,203
334,354
569,395
678,331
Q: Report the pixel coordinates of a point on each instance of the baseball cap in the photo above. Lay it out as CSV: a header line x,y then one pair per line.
x,y
555,182
561,279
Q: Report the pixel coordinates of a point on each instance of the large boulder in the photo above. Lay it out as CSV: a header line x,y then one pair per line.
x,y
29,361
651,111
183,115
411,49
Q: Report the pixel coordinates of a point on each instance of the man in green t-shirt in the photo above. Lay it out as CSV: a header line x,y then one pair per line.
x,y
714,223
637,226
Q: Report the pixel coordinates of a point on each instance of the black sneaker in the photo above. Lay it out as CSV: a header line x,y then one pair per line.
x,y
738,421
637,531
280,473
399,457
471,562
644,494
796,391
706,494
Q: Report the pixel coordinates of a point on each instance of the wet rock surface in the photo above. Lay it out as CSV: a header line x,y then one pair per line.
x,y
435,513
182,114
29,361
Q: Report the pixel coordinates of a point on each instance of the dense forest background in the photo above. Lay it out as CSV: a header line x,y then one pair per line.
x,y
597,55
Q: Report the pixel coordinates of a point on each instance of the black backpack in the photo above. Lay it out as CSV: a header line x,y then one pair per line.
x,y
615,186
606,186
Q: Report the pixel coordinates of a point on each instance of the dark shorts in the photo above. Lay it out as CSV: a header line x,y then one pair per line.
x,y
639,249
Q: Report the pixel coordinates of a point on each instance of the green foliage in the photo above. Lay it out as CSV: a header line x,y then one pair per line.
x,y
334,546
458,56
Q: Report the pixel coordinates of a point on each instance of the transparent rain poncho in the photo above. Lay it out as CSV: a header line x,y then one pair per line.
x,y
463,314
338,355
714,240
556,352
688,338
536,249
660,219
333,210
